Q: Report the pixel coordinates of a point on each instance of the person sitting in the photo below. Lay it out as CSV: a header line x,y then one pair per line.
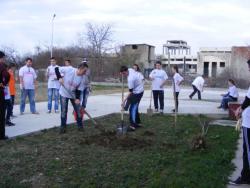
x,y
231,96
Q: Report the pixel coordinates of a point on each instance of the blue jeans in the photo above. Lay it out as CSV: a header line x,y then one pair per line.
x,y
84,97
64,111
31,95
225,100
134,116
51,92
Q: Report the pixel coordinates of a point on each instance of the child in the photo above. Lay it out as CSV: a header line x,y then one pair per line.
x,y
177,80
231,96
12,86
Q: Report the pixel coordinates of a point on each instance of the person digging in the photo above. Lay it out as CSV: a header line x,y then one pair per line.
x,y
136,90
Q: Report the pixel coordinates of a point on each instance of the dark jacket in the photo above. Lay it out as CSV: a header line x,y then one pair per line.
x,y
4,78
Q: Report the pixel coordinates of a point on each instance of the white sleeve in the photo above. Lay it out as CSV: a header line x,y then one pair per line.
x,y
180,78
151,74
131,83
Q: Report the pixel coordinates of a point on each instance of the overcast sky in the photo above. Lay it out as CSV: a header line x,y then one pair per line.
x,y
202,23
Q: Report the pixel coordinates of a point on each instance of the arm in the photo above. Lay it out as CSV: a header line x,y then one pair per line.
x,y
58,75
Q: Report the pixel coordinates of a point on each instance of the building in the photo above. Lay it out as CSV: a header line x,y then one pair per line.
x,y
213,61
142,54
178,52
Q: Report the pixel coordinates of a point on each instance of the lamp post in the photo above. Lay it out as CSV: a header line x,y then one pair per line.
x,y
52,35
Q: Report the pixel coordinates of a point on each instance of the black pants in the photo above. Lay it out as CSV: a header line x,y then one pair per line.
x,y
177,99
245,173
158,95
13,103
8,107
134,116
2,115
194,92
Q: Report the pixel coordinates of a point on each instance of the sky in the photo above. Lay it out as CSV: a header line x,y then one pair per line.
x,y
202,23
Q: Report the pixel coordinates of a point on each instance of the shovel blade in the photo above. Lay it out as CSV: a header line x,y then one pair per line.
x,y
121,128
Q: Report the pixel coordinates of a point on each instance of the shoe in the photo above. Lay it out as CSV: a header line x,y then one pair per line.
x,y
156,111
190,97
62,130
4,138
56,111
219,107
239,181
49,111
9,123
131,128
161,111
80,129
13,116
35,113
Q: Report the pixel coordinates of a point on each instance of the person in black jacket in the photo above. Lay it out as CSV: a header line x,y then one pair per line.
x,y
244,112
4,80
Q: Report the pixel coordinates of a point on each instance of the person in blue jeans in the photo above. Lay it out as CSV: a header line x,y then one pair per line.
x,y
231,96
53,86
27,77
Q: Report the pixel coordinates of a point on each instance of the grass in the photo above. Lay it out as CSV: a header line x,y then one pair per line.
x,y
153,156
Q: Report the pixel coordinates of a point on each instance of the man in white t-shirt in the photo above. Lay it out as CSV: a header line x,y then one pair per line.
x,y
53,85
198,85
245,111
136,90
159,78
27,77
69,91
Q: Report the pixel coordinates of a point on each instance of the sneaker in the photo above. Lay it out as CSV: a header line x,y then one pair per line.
x,y
131,128
49,111
219,107
161,111
156,111
13,116
56,111
35,113
9,123
239,181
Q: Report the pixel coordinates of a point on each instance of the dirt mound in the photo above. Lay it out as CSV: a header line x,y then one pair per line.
x,y
112,140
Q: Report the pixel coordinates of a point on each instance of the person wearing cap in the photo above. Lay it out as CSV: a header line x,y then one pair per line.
x,y
27,77
4,80
244,112
53,85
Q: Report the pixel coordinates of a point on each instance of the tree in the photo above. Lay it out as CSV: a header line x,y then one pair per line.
x,y
12,55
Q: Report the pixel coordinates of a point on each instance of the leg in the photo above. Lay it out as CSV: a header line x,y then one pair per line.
x,y
85,95
138,119
155,95
12,104
77,108
161,99
23,100
133,110
8,110
56,95
31,95
194,92
50,94
2,116
199,94
245,173
64,111
177,100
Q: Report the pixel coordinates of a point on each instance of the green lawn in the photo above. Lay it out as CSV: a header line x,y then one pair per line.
x,y
153,156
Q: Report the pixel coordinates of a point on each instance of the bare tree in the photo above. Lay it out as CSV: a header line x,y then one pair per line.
x,y
12,56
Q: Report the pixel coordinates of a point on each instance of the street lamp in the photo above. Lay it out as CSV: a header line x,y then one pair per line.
x,y
52,35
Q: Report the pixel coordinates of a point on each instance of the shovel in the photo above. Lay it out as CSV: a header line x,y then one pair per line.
x,y
122,128
150,110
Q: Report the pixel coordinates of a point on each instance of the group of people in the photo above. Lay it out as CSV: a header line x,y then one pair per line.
x,y
66,83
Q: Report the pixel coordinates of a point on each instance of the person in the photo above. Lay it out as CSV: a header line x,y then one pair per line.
x,y
159,78
231,96
27,77
4,79
8,105
69,91
177,80
198,85
136,90
67,62
12,86
244,112
86,86
53,85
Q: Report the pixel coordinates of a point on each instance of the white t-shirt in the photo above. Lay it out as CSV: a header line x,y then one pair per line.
x,y
85,81
246,114
71,81
29,76
233,92
135,81
199,83
52,79
7,93
177,80
159,76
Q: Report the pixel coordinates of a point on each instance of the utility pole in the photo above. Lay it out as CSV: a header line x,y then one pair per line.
x,y
52,35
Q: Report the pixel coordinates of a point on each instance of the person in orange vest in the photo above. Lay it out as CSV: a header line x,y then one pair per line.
x,y
12,86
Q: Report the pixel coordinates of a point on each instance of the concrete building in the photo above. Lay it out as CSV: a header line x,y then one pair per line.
x,y
213,61
142,54
178,52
